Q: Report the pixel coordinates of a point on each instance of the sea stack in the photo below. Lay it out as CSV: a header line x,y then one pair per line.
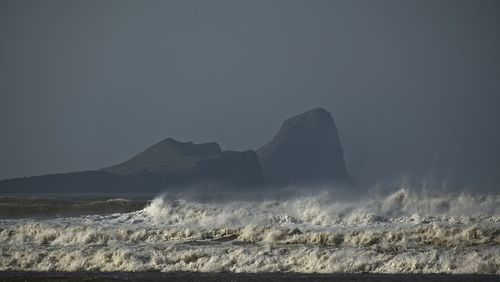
x,y
306,150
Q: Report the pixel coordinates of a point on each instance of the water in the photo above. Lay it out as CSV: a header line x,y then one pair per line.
x,y
402,232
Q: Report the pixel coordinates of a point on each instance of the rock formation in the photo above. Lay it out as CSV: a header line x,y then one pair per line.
x,y
306,150
166,155
167,165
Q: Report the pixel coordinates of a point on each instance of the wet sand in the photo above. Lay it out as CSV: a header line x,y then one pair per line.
x,y
193,276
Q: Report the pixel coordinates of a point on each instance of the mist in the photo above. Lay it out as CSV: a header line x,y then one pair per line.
x,y
413,86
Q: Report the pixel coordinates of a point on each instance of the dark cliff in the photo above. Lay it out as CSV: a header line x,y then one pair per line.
x,y
306,150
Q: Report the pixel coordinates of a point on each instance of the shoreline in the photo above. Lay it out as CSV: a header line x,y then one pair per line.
x,y
229,276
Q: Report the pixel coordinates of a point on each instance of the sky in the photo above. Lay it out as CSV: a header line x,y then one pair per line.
x,y
414,86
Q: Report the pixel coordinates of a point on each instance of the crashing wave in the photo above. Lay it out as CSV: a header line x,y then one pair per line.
x,y
403,232
324,210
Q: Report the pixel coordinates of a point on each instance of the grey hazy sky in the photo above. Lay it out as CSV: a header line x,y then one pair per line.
x,y
414,86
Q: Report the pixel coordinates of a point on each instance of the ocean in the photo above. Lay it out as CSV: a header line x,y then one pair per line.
x,y
313,234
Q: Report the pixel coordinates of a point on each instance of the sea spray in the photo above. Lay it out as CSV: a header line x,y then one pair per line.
x,y
405,231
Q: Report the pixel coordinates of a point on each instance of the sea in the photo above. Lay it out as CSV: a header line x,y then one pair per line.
x,y
318,236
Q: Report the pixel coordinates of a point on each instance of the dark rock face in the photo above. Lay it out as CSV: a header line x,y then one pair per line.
x,y
169,164
306,150
229,168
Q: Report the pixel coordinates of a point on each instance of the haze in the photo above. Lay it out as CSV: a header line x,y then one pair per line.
x,y
414,86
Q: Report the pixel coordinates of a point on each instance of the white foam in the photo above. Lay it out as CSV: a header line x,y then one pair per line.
x,y
403,232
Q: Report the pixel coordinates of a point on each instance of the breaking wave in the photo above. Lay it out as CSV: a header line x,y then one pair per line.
x,y
404,232
325,210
